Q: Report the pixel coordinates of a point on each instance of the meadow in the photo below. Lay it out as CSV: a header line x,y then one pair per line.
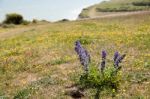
x,y
39,61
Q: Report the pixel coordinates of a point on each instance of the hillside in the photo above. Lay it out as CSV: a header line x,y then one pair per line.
x,y
114,6
39,61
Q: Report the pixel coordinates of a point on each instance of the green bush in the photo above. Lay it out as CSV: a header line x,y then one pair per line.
x,y
25,22
110,79
64,20
34,21
13,18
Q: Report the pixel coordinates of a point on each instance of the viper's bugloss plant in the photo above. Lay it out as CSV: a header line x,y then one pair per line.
x,y
116,55
118,61
102,66
83,56
106,77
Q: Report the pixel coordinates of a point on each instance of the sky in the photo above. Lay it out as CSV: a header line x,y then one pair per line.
x,y
51,10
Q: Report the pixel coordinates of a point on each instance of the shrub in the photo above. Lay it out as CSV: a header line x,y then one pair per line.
x,y
34,21
100,78
45,21
109,79
13,18
25,22
64,20
141,3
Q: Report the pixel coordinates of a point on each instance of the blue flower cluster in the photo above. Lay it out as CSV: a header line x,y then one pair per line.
x,y
83,55
102,66
85,58
118,59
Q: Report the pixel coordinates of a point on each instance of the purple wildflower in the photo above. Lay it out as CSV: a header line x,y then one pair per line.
x,y
104,54
83,55
116,55
119,60
78,47
102,66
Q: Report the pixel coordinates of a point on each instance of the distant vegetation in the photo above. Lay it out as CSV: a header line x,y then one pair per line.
x,y
117,6
34,21
84,13
123,5
13,18
63,20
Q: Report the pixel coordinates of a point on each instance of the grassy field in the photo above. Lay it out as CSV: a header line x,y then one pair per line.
x,y
115,6
123,5
40,62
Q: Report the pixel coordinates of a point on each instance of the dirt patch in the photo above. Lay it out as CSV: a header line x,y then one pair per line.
x,y
25,78
74,92
16,31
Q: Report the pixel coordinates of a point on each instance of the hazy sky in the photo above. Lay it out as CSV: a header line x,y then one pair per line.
x,y
44,9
